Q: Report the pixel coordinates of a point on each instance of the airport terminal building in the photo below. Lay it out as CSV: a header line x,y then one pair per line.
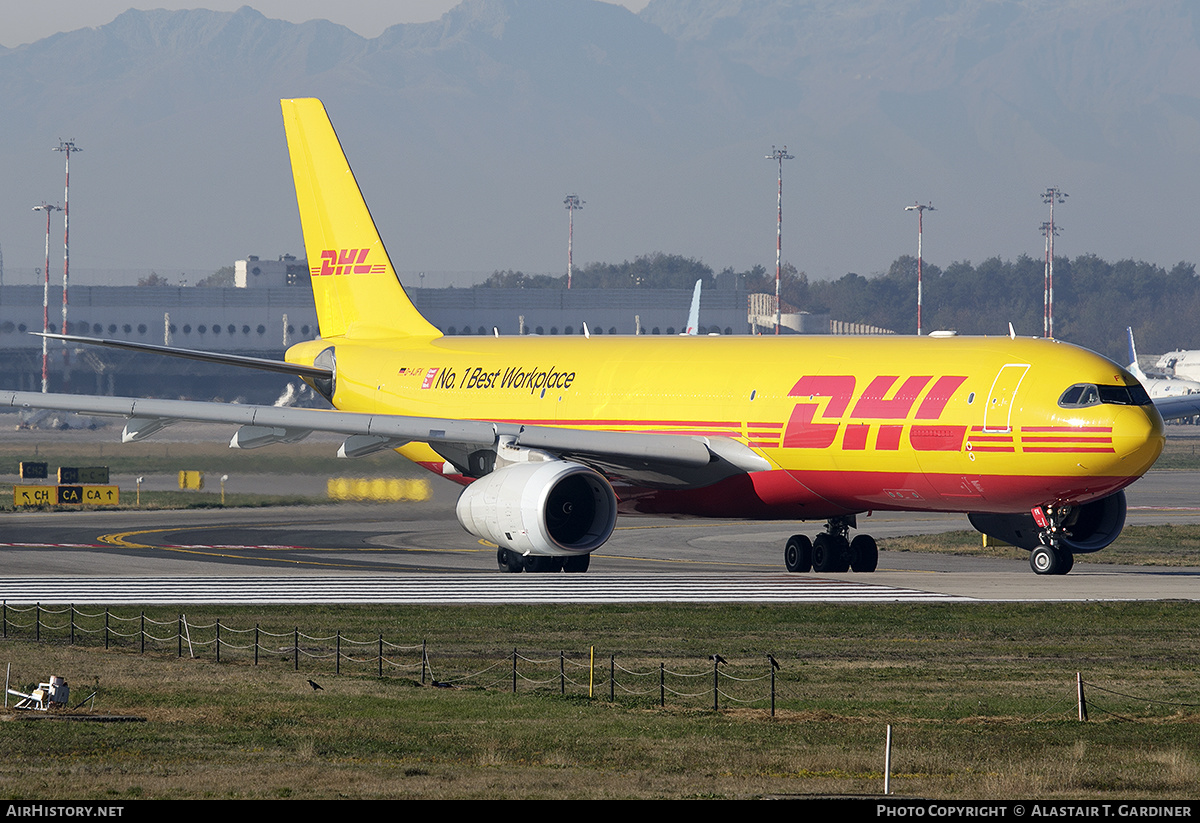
x,y
271,308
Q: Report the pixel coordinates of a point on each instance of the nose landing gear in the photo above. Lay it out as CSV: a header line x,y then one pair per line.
x,y
1052,556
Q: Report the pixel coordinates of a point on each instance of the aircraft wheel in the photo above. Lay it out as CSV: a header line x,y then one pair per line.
x,y
542,565
1044,560
864,553
577,564
509,561
1066,562
829,554
797,554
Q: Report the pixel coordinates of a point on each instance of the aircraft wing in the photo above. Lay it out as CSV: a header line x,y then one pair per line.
x,y
657,459
1173,408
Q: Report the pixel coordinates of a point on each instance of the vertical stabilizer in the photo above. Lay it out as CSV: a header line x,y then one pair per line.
x,y
693,322
1134,368
355,287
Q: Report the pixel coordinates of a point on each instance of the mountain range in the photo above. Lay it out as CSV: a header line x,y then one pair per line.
x,y
467,133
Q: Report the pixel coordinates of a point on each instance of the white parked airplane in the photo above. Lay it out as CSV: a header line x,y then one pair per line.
x,y
1174,397
1183,363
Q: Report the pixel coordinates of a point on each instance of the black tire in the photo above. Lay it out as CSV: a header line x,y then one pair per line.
x,y
537,564
509,561
1044,560
797,554
577,564
830,553
864,553
1066,561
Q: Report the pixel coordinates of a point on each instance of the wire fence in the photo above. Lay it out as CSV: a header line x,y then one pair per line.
x,y
714,683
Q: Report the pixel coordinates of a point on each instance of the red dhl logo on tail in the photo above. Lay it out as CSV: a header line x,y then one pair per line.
x,y
805,432
345,261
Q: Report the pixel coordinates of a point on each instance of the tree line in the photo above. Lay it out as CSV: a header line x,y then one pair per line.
x,y
1094,300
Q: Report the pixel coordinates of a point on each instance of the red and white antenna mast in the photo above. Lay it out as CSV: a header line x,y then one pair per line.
x,y
779,155
920,210
573,204
66,147
1051,195
46,207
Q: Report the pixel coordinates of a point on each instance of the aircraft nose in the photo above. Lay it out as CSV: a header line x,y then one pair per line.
x,y
1138,438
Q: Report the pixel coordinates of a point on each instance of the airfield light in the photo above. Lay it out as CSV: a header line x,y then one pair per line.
x,y
920,210
779,155
66,147
48,208
573,203
1051,196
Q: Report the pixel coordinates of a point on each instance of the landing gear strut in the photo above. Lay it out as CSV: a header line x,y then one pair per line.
x,y
1052,556
832,550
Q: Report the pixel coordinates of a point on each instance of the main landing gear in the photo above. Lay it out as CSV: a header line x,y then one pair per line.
x,y
831,550
510,561
1052,556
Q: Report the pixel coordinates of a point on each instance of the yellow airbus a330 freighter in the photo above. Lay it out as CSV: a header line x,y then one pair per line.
x,y
1033,439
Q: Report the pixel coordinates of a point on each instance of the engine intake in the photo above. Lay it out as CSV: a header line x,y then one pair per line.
x,y
1092,525
554,508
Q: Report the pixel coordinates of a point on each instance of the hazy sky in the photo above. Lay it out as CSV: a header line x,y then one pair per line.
x,y
25,22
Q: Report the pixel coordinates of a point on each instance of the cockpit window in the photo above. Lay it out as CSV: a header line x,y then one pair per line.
x,y
1082,395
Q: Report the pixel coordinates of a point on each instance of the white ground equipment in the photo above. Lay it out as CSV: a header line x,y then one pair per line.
x,y
53,695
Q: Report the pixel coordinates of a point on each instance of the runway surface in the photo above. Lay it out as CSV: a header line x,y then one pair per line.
x,y
417,553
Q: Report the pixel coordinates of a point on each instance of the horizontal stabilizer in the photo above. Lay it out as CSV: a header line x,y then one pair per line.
x,y
260,363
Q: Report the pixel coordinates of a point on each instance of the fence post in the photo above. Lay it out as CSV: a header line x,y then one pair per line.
x,y
424,660
562,673
514,671
296,649
716,684
887,762
106,628
612,678
179,635
662,685
72,624
774,665
337,657
255,644
1083,716
218,640
37,622
381,654
5,619
142,631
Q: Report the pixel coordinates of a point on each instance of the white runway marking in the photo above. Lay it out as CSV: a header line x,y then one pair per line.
x,y
466,588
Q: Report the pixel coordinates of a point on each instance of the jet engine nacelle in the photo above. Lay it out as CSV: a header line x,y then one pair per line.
x,y
552,508
1092,526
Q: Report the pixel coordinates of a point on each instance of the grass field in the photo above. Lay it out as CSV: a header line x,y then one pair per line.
x,y
981,699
